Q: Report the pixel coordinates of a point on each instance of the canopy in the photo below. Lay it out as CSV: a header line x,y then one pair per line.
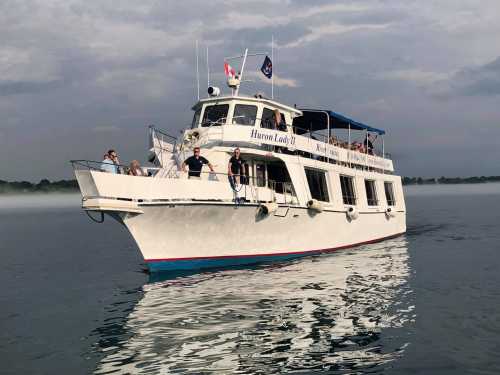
x,y
317,119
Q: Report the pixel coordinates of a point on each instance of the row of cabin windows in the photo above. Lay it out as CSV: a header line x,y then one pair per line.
x,y
243,115
318,187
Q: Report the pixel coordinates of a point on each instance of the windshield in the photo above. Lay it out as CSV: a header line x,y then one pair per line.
x,y
244,115
215,115
196,119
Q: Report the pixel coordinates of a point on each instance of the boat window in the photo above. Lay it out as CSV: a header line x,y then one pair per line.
x,y
348,192
215,115
371,193
196,118
278,177
316,180
244,114
267,120
389,194
260,174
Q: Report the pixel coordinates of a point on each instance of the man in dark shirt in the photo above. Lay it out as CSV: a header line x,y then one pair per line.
x,y
236,168
195,163
368,143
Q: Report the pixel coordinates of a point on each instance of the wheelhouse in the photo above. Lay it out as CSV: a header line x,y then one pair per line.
x,y
241,111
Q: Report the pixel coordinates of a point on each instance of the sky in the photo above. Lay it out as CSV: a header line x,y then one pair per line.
x,y
78,77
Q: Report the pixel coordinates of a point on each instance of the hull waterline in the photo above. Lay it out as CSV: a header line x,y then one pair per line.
x,y
185,264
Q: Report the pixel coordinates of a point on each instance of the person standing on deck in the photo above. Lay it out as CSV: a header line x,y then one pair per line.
x,y
236,168
195,164
369,143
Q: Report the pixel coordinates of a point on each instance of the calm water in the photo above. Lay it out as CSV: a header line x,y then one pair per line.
x,y
75,299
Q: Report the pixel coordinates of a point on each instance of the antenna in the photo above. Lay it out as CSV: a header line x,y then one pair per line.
x,y
272,65
208,71
197,71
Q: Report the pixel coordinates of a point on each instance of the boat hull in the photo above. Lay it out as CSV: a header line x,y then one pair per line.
x,y
203,235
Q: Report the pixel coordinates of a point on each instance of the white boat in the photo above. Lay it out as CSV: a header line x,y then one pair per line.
x,y
303,191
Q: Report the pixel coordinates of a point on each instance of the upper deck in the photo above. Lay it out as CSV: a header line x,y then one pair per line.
x,y
251,122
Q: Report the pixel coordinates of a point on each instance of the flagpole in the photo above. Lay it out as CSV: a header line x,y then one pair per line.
x,y
208,71
241,71
272,62
197,71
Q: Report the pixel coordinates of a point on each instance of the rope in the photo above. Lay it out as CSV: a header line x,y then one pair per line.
x,y
94,220
237,200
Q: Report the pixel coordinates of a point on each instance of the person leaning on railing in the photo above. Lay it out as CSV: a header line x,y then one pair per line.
x,y
110,163
195,164
135,169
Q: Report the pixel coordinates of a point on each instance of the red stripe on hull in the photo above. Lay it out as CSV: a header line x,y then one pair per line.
x,y
304,252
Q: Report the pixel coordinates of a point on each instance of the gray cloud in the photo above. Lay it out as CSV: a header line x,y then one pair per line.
x,y
484,80
78,77
14,88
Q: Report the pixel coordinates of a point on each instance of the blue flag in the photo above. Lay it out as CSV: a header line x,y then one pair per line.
x,y
267,67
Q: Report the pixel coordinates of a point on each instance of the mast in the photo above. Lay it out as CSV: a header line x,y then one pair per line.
x,y
197,72
236,83
208,71
241,71
272,62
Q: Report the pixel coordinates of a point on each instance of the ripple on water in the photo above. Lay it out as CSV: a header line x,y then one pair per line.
x,y
328,312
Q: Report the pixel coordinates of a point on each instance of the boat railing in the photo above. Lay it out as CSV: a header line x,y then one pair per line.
x,y
285,188
248,188
162,142
333,140
100,166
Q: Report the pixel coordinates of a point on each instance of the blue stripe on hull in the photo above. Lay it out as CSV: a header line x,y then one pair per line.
x,y
197,263
192,264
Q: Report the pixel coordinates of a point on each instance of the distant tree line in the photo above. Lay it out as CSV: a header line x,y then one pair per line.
x,y
63,186
44,186
449,180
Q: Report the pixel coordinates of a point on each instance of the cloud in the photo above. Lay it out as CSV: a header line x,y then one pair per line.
x,y
481,81
235,19
320,32
16,65
105,129
278,81
78,68
417,76
16,88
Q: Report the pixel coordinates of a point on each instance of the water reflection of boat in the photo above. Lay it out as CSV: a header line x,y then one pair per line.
x,y
326,312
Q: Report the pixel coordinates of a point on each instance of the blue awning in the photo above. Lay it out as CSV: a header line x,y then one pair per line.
x,y
316,119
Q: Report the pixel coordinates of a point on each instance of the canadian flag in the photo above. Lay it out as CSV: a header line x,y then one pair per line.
x,y
229,71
